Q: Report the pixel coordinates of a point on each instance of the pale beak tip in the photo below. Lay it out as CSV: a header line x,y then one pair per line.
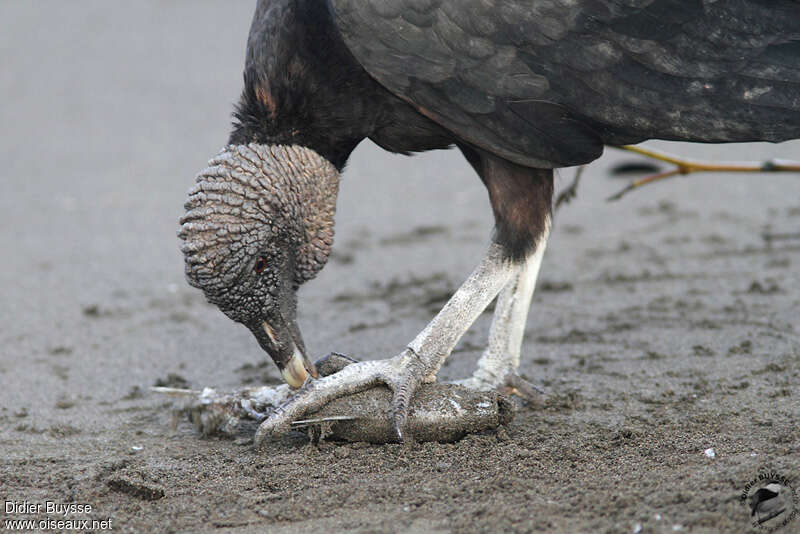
x,y
298,369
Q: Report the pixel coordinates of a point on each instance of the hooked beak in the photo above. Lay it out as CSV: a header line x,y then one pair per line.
x,y
297,369
286,348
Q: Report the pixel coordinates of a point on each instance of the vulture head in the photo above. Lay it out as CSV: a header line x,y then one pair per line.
x,y
259,223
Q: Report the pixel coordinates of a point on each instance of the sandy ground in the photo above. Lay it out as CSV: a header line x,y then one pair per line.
x,y
664,324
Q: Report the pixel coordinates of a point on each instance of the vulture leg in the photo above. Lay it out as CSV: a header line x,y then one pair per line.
x,y
521,200
497,366
419,362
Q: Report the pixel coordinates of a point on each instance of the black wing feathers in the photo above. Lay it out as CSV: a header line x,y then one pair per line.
x,y
548,82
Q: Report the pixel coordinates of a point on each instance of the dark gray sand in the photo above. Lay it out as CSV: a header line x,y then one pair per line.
x,y
664,325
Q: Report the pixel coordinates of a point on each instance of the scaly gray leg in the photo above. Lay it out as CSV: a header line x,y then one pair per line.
x,y
420,361
497,366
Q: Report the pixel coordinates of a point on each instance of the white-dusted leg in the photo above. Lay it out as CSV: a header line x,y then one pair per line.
x,y
498,364
435,343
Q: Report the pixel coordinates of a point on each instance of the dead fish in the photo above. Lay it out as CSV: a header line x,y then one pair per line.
x,y
438,412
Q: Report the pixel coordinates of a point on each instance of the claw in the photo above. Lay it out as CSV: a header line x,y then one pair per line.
x,y
511,384
398,430
522,388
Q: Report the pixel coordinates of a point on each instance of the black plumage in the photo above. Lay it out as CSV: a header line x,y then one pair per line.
x,y
549,82
537,84
303,86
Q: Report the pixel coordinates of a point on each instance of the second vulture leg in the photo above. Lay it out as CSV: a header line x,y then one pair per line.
x,y
497,367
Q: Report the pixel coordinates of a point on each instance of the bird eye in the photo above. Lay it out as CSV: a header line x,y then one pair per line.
x,y
261,264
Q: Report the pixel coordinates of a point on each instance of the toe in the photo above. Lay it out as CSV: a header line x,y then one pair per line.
x,y
404,384
333,363
521,387
316,393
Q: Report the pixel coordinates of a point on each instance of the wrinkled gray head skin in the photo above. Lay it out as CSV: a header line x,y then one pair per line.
x,y
259,223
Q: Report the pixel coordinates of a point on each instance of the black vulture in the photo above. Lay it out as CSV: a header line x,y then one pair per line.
x,y
519,86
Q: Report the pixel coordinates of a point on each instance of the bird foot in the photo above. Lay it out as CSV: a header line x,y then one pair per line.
x,y
508,383
401,374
